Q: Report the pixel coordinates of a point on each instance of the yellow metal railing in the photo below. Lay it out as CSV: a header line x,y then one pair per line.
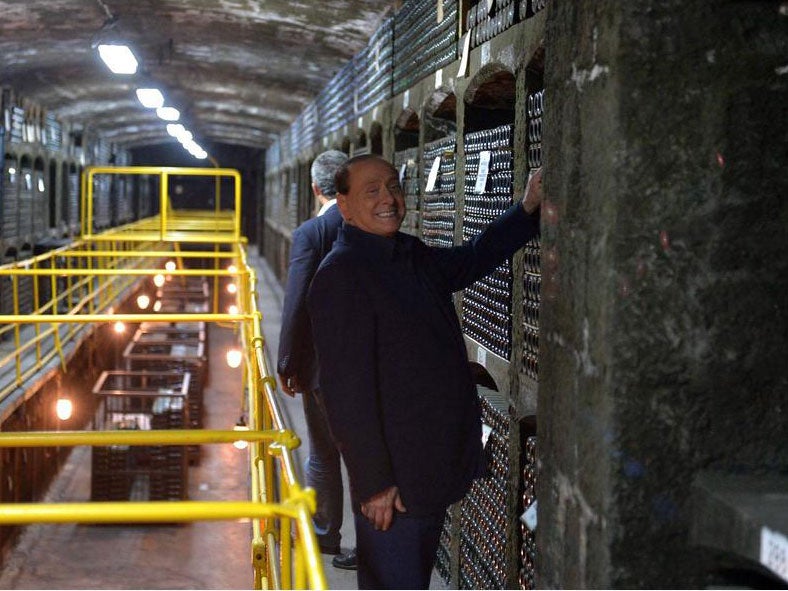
x,y
79,286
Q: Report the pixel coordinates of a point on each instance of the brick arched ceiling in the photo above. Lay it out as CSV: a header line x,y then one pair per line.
x,y
239,70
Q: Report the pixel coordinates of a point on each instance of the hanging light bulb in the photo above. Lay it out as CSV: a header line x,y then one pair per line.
x,y
64,408
119,327
232,269
143,301
232,309
157,305
240,426
158,280
232,288
234,357
170,265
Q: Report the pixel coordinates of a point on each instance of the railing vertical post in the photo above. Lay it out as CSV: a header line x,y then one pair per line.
x,y
163,203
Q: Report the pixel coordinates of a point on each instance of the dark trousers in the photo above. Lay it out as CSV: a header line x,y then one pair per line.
x,y
323,471
400,557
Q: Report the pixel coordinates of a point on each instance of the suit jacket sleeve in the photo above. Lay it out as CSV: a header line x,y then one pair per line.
x,y
344,327
462,265
295,340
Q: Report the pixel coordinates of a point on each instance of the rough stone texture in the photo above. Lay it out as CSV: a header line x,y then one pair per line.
x,y
665,274
240,71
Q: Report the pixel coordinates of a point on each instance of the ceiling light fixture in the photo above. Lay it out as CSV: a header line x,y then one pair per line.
x,y
150,98
168,113
119,58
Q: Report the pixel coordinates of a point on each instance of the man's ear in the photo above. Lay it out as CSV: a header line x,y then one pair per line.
x,y
342,205
315,191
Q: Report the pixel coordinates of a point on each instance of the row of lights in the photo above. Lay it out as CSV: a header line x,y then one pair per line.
x,y
121,60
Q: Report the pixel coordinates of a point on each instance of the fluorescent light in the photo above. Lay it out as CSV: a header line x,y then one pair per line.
x,y
168,113
151,98
175,129
118,58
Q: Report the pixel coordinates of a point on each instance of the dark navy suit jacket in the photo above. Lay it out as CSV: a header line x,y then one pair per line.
x,y
311,241
395,377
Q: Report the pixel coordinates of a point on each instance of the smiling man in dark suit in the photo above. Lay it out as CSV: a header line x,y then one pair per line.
x,y
395,377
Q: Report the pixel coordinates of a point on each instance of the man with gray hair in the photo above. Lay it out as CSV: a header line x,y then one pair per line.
x,y
297,365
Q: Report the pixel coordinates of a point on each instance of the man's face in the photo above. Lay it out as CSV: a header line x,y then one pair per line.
x,y
374,202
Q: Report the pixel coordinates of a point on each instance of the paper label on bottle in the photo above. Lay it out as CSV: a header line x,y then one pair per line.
x,y
481,356
528,518
433,176
484,167
438,78
774,552
486,430
466,50
485,53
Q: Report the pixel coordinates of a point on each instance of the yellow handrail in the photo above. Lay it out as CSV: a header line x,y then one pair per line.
x,y
79,286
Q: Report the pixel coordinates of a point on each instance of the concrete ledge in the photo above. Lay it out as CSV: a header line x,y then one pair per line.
x,y
731,510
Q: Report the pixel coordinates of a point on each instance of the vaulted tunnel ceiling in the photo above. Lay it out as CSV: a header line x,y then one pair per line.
x,y
238,70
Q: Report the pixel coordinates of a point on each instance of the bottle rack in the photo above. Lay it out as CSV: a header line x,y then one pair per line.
x,y
422,44
532,276
486,305
440,203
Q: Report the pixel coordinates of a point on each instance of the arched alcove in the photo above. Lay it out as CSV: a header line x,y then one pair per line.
x,y
406,130
440,114
376,139
490,98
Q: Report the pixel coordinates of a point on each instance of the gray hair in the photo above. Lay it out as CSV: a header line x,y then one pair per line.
x,y
323,169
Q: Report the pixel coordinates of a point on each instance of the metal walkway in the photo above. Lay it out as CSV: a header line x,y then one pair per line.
x,y
81,286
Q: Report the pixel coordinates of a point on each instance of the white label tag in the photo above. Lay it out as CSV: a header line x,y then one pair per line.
x,y
374,113
402,172
484,167
406,99
485,53
433,176
528,518
360,123
774,552
486,430
481,356
440,11
466,49
438,78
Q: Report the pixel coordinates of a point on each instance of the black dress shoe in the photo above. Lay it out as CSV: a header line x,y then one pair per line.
x,y
346,561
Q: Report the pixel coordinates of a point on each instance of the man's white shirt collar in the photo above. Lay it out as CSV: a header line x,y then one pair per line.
x,y
326,206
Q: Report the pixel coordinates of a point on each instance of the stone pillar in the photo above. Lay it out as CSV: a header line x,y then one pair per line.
x,y
665,277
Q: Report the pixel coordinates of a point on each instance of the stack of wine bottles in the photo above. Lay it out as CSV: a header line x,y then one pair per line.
x,y
486,20
532,278
483,514
335,103
486,305
528,541
440,205
374,68
422,42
